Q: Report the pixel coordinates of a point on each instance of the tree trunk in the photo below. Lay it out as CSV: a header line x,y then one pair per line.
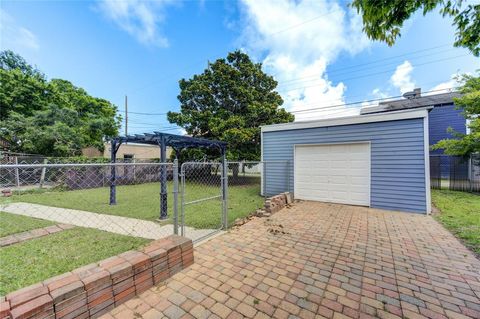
x,y
235,170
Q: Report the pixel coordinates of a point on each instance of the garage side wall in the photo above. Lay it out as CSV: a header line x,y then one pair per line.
x,y
397,159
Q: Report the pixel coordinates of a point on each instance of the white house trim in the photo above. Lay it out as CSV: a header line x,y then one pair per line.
x,y
358,119
262,190
426,143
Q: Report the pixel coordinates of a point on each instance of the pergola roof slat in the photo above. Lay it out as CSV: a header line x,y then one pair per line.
x,y
172,140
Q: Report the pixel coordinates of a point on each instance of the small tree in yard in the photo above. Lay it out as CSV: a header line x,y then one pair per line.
x,y
229,101
465,144
50,117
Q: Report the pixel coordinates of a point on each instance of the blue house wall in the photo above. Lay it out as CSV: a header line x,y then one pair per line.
x,y
440,118
397,159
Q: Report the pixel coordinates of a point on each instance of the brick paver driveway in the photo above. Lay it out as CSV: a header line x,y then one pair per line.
x,y
325,261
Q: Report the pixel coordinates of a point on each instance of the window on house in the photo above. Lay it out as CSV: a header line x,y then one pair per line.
x,y
128,157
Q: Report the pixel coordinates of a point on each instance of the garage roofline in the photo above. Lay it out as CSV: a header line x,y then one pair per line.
x,y
348,120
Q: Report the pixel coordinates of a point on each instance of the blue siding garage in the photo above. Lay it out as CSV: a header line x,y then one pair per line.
x,y
398,167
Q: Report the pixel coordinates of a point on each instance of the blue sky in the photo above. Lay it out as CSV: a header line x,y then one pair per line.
x,y
315,49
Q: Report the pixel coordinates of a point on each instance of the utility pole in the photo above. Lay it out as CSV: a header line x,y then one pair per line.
x,y
126,115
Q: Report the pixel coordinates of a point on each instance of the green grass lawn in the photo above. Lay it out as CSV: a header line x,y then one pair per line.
x,y
460,213
12,224
143,201
35,260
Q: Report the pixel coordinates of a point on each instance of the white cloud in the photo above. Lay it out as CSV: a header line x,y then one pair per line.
x,y
377,93
401,78
298,40
444,86
15,37
141,19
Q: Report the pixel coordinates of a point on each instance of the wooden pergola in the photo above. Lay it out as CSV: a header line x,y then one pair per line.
x,y
176,142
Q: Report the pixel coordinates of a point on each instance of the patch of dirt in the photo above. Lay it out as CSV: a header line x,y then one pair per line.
x,y
275,228
435,211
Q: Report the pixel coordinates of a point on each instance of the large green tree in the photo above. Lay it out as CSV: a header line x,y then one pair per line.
x,y
229,101
53,118
383,19
469,102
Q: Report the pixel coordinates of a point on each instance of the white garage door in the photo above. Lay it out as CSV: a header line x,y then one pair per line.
x,y
337,173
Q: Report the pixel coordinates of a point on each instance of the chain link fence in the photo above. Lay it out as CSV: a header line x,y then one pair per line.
x,y
49,211
81,195
199,198
202,198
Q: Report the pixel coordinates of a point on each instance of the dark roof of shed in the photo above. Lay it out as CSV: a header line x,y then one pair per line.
x,y
172,140
404,104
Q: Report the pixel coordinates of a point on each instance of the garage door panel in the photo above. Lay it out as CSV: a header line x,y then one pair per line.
x,y
356,148
336,187
338,180
339,196
358,172
310,175
356,163
339,163
314,195
333,173
359,181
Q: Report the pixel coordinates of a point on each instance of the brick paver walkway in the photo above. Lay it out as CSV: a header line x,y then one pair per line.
x,y
32,234
324,261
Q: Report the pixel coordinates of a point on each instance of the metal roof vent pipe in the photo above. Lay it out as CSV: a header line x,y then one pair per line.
x,y
415,94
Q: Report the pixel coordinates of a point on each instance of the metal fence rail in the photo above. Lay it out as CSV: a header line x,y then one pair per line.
x,y
203,200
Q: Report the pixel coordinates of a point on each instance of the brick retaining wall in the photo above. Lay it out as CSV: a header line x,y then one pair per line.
x,y
275,203
92,290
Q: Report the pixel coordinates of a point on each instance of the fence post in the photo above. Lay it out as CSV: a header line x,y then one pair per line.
x,y
175,197
182,176
224,180
17,175
264,179
113,173
42,176
470,172
134,170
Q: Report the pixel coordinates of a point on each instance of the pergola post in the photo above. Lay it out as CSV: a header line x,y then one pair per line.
x,y
163,179
177,142
113,175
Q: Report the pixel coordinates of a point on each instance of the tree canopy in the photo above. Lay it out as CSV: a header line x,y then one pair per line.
x,y
229,101
53,118
469,102
382,20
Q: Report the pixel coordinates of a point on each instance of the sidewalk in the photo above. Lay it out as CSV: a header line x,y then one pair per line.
x,y
114,224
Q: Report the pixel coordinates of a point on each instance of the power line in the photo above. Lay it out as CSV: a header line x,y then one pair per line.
x,y
364,101
302,23
344,68
154,124
283,83
303,87
142,113
358,67
377,73
360,95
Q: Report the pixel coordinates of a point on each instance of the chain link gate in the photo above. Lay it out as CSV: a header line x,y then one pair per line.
x,y
203,204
